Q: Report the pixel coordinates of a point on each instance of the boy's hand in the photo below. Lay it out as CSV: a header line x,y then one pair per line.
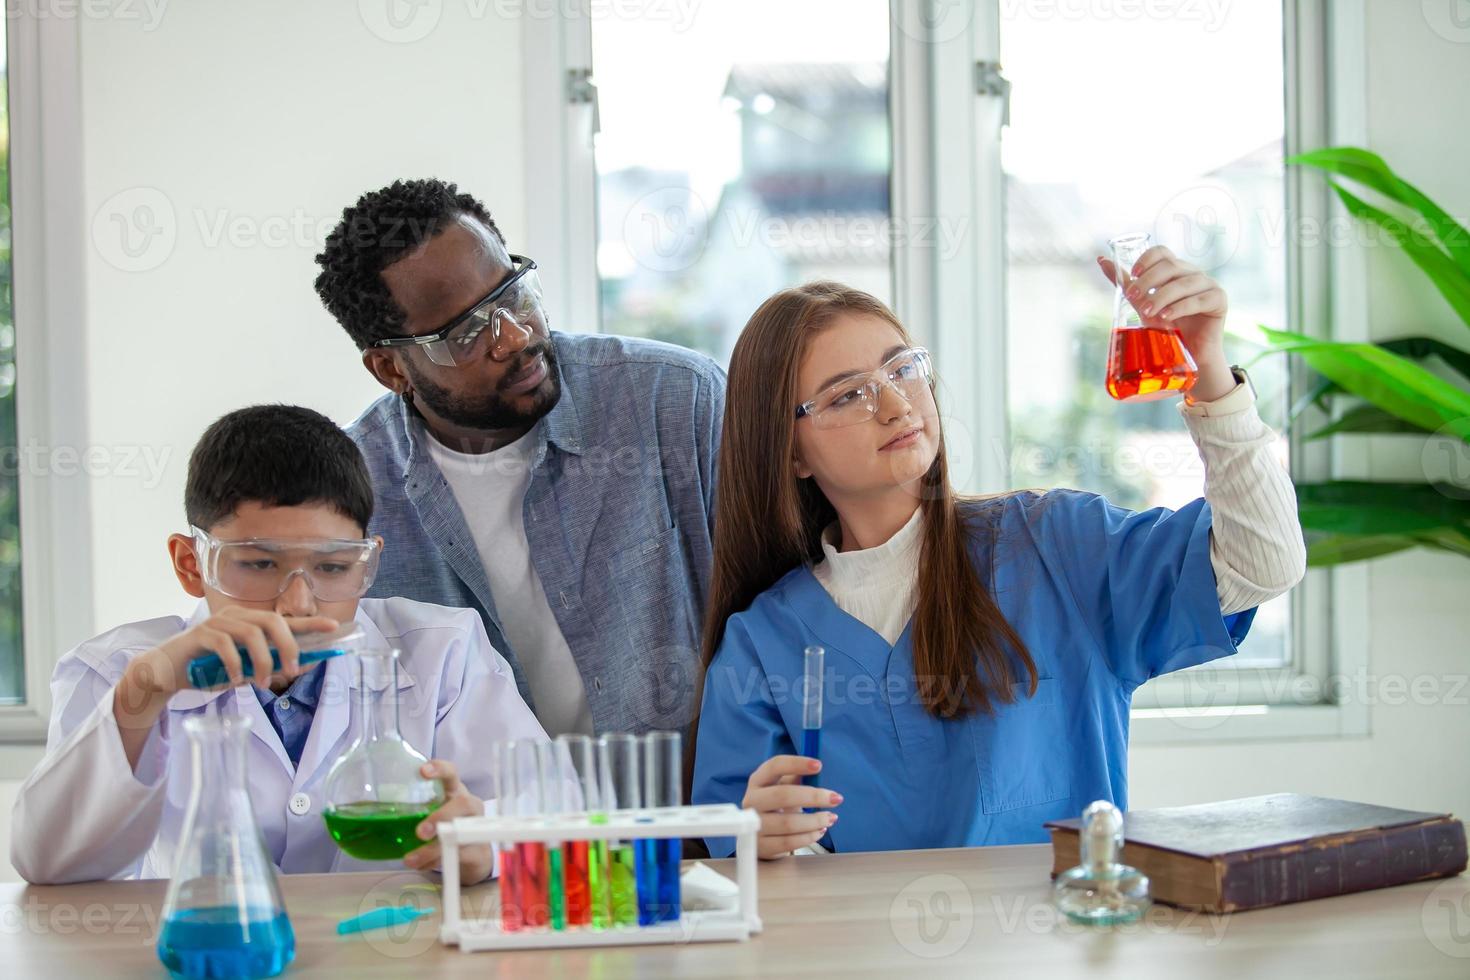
x,y
153,677
475,861
163,670
774,791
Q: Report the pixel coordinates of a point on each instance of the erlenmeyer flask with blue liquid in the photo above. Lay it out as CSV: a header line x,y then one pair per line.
x,y
223,916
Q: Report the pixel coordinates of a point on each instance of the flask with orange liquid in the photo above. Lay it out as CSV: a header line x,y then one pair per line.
x,y
1146,356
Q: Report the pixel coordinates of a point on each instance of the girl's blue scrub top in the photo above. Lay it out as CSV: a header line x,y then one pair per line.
x,y
1103,597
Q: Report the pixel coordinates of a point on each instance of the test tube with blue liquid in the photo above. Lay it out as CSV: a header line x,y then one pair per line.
x,y
662,787
811,708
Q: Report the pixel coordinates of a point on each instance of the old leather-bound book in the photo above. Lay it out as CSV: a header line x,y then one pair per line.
x,y
1268,850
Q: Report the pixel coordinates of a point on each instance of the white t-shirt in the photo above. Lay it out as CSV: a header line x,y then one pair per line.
x,y
491,490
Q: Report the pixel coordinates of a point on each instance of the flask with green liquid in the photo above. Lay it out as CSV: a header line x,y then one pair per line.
x,y
375,796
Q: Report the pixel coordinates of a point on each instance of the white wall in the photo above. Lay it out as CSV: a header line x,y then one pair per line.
x,y
273,115
270,110
1418,80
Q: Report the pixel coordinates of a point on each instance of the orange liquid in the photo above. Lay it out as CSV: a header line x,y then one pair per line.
x,y
1145,363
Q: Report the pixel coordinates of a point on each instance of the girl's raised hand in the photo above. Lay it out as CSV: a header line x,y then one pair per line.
x,y
775,792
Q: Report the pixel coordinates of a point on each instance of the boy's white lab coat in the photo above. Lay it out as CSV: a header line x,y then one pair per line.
x,y
84,815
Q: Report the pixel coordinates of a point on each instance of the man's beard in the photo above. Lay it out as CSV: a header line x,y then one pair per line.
x,y
493,410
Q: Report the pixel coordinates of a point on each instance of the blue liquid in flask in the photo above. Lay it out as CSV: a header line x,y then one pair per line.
x,y
215,943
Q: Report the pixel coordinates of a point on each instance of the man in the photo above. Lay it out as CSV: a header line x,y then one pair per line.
x,y
560,484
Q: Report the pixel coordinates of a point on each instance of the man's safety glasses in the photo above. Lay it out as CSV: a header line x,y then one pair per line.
x,y
511,309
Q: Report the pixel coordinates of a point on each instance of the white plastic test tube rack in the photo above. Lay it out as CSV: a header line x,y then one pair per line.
x,y
722,820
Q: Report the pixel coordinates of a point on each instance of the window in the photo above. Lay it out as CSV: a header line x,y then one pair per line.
x,y
699,212
1093,151
12,653
734,160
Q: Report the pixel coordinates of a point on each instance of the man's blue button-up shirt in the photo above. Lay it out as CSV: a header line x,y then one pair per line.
x,y
619,516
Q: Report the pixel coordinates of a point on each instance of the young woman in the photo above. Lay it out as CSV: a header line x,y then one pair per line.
x,y
981,654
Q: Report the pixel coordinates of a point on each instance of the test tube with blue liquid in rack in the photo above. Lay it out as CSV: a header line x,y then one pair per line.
x,y
663,772
811,707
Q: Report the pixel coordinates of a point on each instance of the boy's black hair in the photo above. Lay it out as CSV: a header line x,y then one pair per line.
x,y
278,456
381,228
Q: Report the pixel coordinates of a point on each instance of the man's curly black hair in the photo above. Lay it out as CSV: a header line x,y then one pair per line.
x,y
381,228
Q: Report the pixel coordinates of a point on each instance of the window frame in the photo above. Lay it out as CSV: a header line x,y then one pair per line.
x,y
48,255
954,174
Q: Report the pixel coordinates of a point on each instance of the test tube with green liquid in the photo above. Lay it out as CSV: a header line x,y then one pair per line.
x,y
617,760
553,805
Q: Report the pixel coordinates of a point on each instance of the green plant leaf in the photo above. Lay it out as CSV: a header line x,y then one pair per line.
x,y
1447,539
1337,549
1392,382
1316,396
1366,418
1370,170
1364,507
1420,348
1452,281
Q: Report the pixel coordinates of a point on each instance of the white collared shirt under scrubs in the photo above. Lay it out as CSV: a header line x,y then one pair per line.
x,y
84,815
1104,599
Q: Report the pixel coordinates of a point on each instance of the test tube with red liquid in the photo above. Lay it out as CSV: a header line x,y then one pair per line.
x,y
512,914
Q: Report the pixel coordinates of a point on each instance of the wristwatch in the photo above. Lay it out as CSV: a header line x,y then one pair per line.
x,y
1243,394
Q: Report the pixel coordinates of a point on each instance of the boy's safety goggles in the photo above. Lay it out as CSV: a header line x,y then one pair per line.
x,y
261,569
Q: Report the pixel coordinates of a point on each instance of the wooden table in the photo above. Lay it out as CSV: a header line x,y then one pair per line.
x,y
974,912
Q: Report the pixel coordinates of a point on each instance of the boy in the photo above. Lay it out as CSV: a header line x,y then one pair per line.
x,y
278,501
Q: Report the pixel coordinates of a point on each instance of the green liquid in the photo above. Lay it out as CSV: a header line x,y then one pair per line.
x,y
556,887
376,831
597,883
623,876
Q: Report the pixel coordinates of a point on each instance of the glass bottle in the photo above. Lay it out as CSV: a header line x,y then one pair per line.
x,y
375,796
1146,355
1100,890
223,915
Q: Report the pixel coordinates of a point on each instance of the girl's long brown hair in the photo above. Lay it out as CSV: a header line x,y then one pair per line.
x,y
768,522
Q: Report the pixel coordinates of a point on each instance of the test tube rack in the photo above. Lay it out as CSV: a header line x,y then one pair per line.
x,y
722,820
